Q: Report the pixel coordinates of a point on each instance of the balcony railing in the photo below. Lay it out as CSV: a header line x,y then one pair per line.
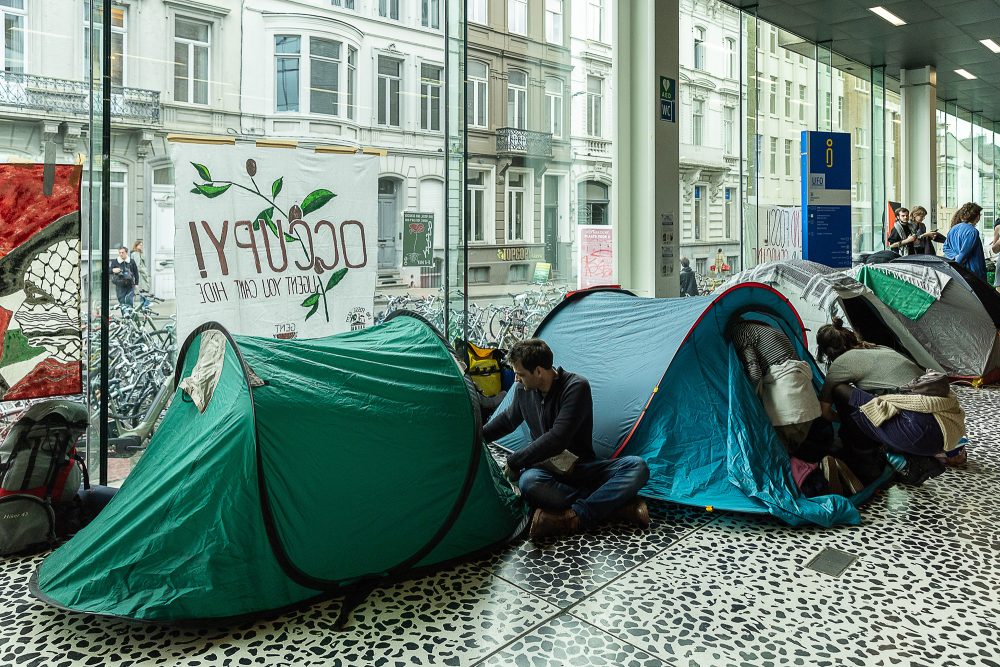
x,y
62,96
514,141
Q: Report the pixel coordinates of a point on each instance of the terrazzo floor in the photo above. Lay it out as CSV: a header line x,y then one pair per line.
x,y
697,589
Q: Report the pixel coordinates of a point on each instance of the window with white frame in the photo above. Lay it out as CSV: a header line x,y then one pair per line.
x,y
13,36
697,121
802,103
430,97
324,76
554,21
788,157
860,137
773,162
595,20
595,106
476,201
700,212
729,214
517,17
517,99
287,67
773,41
192,50
699,47
518,212
827,107
701,265
477,80
352,82
430,14
478,11
554,107
788,99
389,9
732,58
840,112
119,203
346,4
728,128
773,103
389,79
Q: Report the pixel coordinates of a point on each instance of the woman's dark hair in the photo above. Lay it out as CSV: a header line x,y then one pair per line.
x,y
969,212
835,339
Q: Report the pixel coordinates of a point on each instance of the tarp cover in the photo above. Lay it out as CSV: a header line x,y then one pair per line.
x,y
366,445
704,434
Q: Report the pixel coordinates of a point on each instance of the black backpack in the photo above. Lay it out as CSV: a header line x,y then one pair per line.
x,y
40,475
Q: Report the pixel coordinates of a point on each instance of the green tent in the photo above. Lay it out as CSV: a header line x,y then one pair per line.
x,y
318,467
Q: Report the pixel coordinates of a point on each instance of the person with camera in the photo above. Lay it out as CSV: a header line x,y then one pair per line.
x,y
124,276
558,473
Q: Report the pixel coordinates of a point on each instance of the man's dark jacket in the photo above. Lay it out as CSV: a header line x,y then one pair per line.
x,y
561,419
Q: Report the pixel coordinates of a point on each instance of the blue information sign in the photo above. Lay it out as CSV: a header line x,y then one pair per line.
x,y
826,198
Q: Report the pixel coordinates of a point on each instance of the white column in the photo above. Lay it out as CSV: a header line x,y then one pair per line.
x,y
646,187
918,93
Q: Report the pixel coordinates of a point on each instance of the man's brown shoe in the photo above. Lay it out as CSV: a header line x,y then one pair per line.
x,y
552,524
634,512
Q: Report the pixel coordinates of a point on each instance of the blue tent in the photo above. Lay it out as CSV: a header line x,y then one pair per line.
x,y
668,387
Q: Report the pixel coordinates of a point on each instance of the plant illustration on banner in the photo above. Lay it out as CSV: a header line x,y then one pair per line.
x,y
312,202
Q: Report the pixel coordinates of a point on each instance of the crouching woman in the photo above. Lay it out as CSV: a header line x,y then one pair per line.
x,y
863,383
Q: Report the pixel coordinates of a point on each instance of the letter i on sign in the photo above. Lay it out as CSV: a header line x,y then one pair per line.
x,y
829,153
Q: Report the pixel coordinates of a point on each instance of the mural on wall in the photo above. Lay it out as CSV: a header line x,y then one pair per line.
x,y
40,337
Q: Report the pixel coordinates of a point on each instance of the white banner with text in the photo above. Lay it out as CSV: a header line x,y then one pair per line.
x,y
274,242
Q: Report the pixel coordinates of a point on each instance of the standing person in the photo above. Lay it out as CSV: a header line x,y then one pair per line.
x,y
902,238
925,239
689,282
558,473
782,380
124,275
864,382
995,249
139,259
964,245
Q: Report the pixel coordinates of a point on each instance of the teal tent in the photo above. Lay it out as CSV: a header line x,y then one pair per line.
x,y
317,467
667,386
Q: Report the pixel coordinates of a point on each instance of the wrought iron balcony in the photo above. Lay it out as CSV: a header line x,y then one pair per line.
x,y
514,141
62,96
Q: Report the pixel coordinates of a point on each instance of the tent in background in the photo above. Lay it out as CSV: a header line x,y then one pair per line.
x,y
951,313
318,466
818,292
668,386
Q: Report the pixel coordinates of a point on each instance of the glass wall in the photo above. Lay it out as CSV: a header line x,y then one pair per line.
x,y
780,85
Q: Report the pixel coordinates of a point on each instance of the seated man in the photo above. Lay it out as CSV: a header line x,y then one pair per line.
x,y
558,408
781,379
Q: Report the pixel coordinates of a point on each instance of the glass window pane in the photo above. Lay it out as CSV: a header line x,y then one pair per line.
x,y
193,30
287,84
324,86
325,48
200,74
13,28
286,44
181,71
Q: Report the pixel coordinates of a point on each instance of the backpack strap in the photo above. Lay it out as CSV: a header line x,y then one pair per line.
x,y
32,460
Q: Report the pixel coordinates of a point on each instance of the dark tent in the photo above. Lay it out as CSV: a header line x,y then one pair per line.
x,y
318,466
667,386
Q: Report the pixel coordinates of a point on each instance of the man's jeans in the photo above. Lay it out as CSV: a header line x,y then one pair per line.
x,y
594,490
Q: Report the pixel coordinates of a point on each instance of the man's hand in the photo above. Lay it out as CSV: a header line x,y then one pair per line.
x,y
910,239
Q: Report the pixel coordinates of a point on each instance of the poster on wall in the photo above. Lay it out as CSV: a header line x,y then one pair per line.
x,y
274,242
596,253
779,235
418,239
40,338
826,198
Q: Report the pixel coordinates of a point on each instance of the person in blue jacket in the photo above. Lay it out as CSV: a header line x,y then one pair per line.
x,y
964,245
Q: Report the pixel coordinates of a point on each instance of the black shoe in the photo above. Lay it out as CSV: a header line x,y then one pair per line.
x,y
919,469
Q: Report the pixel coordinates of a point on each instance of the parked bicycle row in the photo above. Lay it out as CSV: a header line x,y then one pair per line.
x,y
496,325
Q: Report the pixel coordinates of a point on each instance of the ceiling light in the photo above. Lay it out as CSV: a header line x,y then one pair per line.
x,y
887,15
962,72
991,45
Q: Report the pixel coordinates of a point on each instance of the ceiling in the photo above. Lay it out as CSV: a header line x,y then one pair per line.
x,y
941,33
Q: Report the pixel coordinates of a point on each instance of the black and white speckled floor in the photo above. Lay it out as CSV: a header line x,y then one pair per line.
x,y
697,589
